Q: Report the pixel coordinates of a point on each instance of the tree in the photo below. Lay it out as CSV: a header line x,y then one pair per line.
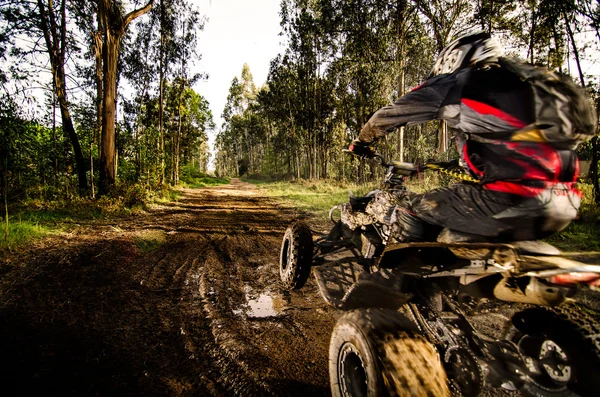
x,y
113,24
47,21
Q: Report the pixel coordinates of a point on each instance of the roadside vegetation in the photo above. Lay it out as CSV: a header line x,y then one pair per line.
x,y
313,196
36,216
583,234
194,178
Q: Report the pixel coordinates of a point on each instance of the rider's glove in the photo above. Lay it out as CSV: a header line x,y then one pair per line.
x,y
361,149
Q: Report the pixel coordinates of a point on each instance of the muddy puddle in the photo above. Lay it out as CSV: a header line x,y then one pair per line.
x,y
260,304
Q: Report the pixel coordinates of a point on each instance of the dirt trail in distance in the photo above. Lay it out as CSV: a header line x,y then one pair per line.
x,y
202,313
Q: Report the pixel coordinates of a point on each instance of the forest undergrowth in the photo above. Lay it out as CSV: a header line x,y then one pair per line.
x,y
36,216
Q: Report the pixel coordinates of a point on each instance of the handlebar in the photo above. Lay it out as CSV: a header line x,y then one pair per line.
x,y
407,169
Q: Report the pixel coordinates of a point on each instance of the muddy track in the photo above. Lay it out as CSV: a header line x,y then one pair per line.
x,y
90,313
96,312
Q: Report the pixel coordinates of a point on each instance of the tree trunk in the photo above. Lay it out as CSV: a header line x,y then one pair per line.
x,y
97,38
93,194
161,132
532,36
442,137
575,51
56,47
108,171
5,195
400,31
178,139
113,25
54,139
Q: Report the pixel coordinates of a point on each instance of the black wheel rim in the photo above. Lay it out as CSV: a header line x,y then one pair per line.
x,y
553,369
285,254
351,372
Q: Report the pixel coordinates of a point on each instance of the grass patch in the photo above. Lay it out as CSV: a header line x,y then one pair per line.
x,y
204,181
314,196
583,234
150,240
577,236
193,178
20,232
35,218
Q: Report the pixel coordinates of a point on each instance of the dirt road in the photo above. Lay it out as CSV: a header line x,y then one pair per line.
x,y
183,300
199,312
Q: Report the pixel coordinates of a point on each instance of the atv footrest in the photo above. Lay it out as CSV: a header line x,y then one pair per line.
x,y
335,279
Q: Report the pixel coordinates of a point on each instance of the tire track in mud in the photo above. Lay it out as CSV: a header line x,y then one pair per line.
x,y
257,362
90,312
240,232
261,355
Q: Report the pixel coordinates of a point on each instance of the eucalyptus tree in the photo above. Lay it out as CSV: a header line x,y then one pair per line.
x,y
447,19
493,15
308,25
47,22
198,121
188,24
113,21
140,71
590,9
235,134
164,51
279,102
188,119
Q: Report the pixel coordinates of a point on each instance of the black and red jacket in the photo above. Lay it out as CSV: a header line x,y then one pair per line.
x,y
491,109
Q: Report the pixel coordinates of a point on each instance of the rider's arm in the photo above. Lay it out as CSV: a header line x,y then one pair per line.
x,y
420,105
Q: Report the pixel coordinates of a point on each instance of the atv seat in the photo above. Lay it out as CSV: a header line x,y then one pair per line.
x,y
535,247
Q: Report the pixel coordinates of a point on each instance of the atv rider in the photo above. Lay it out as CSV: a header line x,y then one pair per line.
x,y
516,128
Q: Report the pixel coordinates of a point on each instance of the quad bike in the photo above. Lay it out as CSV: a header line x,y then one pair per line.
x,y
406,330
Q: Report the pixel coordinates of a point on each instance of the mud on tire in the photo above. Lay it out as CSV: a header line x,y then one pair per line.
x,y
376,352
564,334
295,259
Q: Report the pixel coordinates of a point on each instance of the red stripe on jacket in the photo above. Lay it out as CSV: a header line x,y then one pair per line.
x,y
486,109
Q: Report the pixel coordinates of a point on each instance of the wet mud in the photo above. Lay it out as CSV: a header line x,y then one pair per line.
x,y
183,300
201,312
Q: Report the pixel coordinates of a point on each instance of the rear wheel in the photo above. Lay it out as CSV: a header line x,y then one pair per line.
x,y
296,255
562,359
374,353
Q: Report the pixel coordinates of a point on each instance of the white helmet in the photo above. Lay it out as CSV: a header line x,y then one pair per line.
x,y
467,51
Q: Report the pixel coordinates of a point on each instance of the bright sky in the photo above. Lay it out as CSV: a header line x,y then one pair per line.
x,y
237,32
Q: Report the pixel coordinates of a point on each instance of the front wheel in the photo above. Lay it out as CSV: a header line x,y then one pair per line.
x,y
374,353
562,359
295,259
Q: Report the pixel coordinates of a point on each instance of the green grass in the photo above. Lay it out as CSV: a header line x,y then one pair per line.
x,y
204,181
192,177
20,232
314,196
150,240
583,234
577,236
